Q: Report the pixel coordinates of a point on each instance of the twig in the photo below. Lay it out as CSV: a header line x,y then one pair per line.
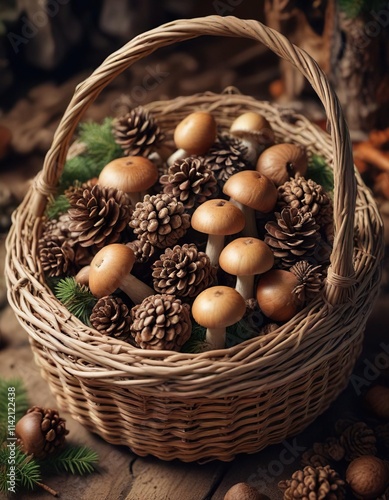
x,y
48,489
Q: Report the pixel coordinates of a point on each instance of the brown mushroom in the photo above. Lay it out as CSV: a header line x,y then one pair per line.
x,y
282,161
216,308
250,191
110,269
217,218
196,133
131,174
244,258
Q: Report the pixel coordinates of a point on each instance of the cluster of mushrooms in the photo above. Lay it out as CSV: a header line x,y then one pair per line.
x,y
222,226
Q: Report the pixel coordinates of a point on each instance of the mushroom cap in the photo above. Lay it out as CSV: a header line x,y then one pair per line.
x,y
130,174
246,257
196,133
253,126
108,268
218,307
218,216
252,189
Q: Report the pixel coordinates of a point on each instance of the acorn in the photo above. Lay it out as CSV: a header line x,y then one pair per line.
x,y
368,477
41,431
377,401
282,161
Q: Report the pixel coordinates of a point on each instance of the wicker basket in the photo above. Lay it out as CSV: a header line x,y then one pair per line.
x,y
215,404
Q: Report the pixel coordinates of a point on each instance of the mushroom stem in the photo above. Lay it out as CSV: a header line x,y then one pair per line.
x,y
179,154
245,286
250,228
216,338
214,247
135,288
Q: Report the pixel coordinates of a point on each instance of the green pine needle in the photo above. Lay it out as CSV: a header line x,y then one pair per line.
x,y
77,298
20,401
196,342
74,460
57,206
101,148
321,173
355,8
27,469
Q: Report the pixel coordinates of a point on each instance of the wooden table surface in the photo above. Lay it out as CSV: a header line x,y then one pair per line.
x,y
123,475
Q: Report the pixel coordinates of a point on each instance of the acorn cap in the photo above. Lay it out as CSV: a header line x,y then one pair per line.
x,y
218,217
108,268
196,133
130,174
252,189
218,307
246,256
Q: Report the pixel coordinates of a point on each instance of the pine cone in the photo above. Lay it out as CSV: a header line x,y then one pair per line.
x,y
41,431
226,157
110,316
56,256
190,180
358,439
308,196
310,280
323,453
293,236
142,249
183,271
98,215
137,132
160,219
314,483
161,322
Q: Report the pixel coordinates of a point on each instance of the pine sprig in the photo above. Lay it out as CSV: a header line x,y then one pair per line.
x,y
19,401
74,460
319,171
101,148
57,206
196,342
77,298
27,469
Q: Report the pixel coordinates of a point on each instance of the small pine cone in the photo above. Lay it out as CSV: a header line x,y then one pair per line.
x,y
314,483
268,328
358,439
161,322
98,216
56,256
293,236
310,280
160,219
183,271
323,453
137,132
190,180
142,249
110,316
308,196
313,459
41,431
226,157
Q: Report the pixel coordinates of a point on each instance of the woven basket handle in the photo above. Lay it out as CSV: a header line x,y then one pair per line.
x,y
340,276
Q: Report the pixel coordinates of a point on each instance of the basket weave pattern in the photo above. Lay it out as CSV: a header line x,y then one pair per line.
x,y
215,404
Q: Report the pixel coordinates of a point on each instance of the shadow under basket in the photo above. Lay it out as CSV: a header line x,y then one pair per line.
x,y
213,405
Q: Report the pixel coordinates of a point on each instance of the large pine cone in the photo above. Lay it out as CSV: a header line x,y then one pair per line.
x,y
190,180
358,439
227,157
314,483
98,215
310,280
137,132
41,431
293,236
183,271
160,219
110,316
161,322
308,196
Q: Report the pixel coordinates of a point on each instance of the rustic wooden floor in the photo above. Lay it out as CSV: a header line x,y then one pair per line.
x,y
123,475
